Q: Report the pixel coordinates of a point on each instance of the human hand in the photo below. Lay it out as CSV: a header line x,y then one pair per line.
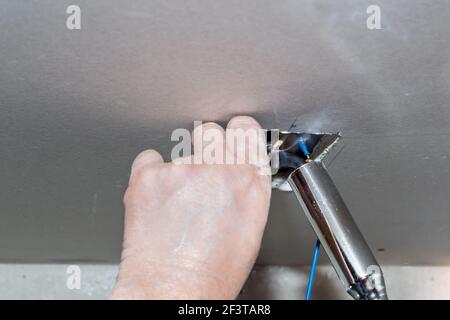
x,y
192,231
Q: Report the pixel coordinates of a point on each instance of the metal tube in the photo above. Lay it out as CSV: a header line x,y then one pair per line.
x,y
338,233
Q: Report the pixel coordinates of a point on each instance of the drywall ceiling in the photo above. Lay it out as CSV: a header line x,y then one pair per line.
x,y
77,106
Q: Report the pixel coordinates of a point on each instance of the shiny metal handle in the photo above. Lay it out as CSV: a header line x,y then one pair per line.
x,y
338,233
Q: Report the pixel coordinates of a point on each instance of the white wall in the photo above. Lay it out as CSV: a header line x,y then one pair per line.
x,y
33,281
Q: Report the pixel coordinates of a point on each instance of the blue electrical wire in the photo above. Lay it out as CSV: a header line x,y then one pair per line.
x,y
304,148
313,270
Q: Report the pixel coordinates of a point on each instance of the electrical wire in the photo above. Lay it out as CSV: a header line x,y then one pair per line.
x,y
304,148
313,270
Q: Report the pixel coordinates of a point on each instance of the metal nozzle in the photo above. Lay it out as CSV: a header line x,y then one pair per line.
x,y
325,209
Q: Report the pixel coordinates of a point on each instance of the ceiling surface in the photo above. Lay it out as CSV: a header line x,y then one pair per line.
x,y
76,106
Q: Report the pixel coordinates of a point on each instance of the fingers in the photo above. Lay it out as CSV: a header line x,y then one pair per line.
x,y
242,143
245,141
208,140
145,158
243,122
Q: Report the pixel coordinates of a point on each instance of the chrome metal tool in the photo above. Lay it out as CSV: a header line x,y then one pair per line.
x,y
325,209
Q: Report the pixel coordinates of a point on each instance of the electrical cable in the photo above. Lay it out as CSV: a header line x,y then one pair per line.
x,y
304,148
312,271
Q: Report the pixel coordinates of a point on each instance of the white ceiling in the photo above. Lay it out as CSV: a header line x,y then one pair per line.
x,y
77,106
